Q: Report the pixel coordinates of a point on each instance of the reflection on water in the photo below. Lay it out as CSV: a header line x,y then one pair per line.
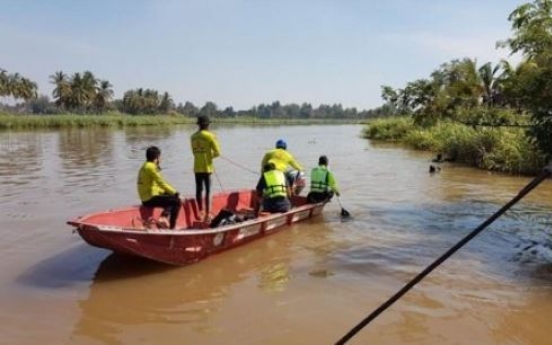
x,y
141,137
129,292
307,285
21,158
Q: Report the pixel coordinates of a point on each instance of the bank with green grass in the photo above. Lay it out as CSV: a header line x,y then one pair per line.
x,y
503,149
26,122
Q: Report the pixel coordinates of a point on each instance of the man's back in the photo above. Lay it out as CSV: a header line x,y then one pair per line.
x,y
204,147
281,159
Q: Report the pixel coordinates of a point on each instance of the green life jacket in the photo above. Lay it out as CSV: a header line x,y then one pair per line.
x,y
275,184
319,179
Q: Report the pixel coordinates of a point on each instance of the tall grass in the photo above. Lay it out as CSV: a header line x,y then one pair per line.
x,y
73,120
499,149
118,120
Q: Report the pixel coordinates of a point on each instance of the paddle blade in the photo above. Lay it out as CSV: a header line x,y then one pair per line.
x,y
345,213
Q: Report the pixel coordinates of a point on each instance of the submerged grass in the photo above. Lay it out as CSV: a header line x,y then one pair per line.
x,y
501,149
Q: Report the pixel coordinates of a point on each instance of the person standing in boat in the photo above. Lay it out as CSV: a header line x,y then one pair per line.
x,y
323,184
154,191
205,148
273,191
283,161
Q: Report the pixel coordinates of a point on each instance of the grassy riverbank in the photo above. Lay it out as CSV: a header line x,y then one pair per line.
x,y
503,149
117,120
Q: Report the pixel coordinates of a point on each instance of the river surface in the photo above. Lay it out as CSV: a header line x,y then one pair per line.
x,y
309,284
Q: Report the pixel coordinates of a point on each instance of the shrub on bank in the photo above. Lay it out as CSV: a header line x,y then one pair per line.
x,y
493,148
389,129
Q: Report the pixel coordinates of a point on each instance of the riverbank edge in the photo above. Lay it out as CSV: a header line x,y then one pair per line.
x,y
500,149
15,122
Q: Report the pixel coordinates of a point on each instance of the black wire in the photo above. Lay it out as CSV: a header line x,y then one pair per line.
x,y
536,181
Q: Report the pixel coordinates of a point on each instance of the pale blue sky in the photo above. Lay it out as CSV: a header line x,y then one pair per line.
x,y
245,52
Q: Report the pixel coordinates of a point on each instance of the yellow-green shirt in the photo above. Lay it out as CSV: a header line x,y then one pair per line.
x,y
322,180
150,182
205,147
281,159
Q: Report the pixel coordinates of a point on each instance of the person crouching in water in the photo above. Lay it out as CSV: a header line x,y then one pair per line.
x,y
273,191
154,191
323,184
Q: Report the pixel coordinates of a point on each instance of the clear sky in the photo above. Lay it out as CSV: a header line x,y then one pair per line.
x,y
244,52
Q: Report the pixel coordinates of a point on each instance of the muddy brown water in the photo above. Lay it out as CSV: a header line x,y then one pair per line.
x,y
309,284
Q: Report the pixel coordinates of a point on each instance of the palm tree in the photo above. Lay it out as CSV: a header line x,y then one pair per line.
x,y
28,89
104,93
62,90
79,93
3,83
166,103
489,82
14,85
89,85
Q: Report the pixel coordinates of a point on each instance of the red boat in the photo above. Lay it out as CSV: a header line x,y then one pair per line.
x,y
132,231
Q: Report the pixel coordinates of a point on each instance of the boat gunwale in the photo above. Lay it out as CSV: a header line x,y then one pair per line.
x,y
81,225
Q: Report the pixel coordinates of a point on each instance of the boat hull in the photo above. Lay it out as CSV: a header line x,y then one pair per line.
x,y
193,240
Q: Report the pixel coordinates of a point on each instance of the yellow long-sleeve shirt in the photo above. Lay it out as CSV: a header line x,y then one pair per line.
x,y
150,182
205,147
281,159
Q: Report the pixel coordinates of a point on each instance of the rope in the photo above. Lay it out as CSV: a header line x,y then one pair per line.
x,y
543,175
218,179
241,166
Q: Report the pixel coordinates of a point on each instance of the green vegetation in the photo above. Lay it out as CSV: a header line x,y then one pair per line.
x,y
74,120
83,94
16,86
499,149
16,122
493,117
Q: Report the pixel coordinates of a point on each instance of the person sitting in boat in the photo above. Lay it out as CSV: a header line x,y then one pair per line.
x,y
273,191
283,161
323,184
154,191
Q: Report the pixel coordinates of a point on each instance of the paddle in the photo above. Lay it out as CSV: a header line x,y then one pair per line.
x,y
344,212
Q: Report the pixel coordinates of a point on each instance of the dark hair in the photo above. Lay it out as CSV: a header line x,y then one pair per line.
x,y
152,153
203,121
323,160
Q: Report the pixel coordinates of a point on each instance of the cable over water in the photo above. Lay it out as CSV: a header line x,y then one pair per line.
x,y
240,165
547,171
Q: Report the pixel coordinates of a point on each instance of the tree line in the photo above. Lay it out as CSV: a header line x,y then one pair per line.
x,y
16,86
84,93
501,94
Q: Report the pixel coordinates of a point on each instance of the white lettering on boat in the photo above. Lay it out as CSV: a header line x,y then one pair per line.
x,y
300,215
217,240
275,223
248,231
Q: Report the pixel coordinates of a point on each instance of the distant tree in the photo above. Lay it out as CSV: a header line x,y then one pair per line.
x,y
104,93
306,111
166,103
209,109
62,89
190,109
228,112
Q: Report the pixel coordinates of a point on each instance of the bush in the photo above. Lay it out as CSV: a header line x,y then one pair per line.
x,y
389,129
499,149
